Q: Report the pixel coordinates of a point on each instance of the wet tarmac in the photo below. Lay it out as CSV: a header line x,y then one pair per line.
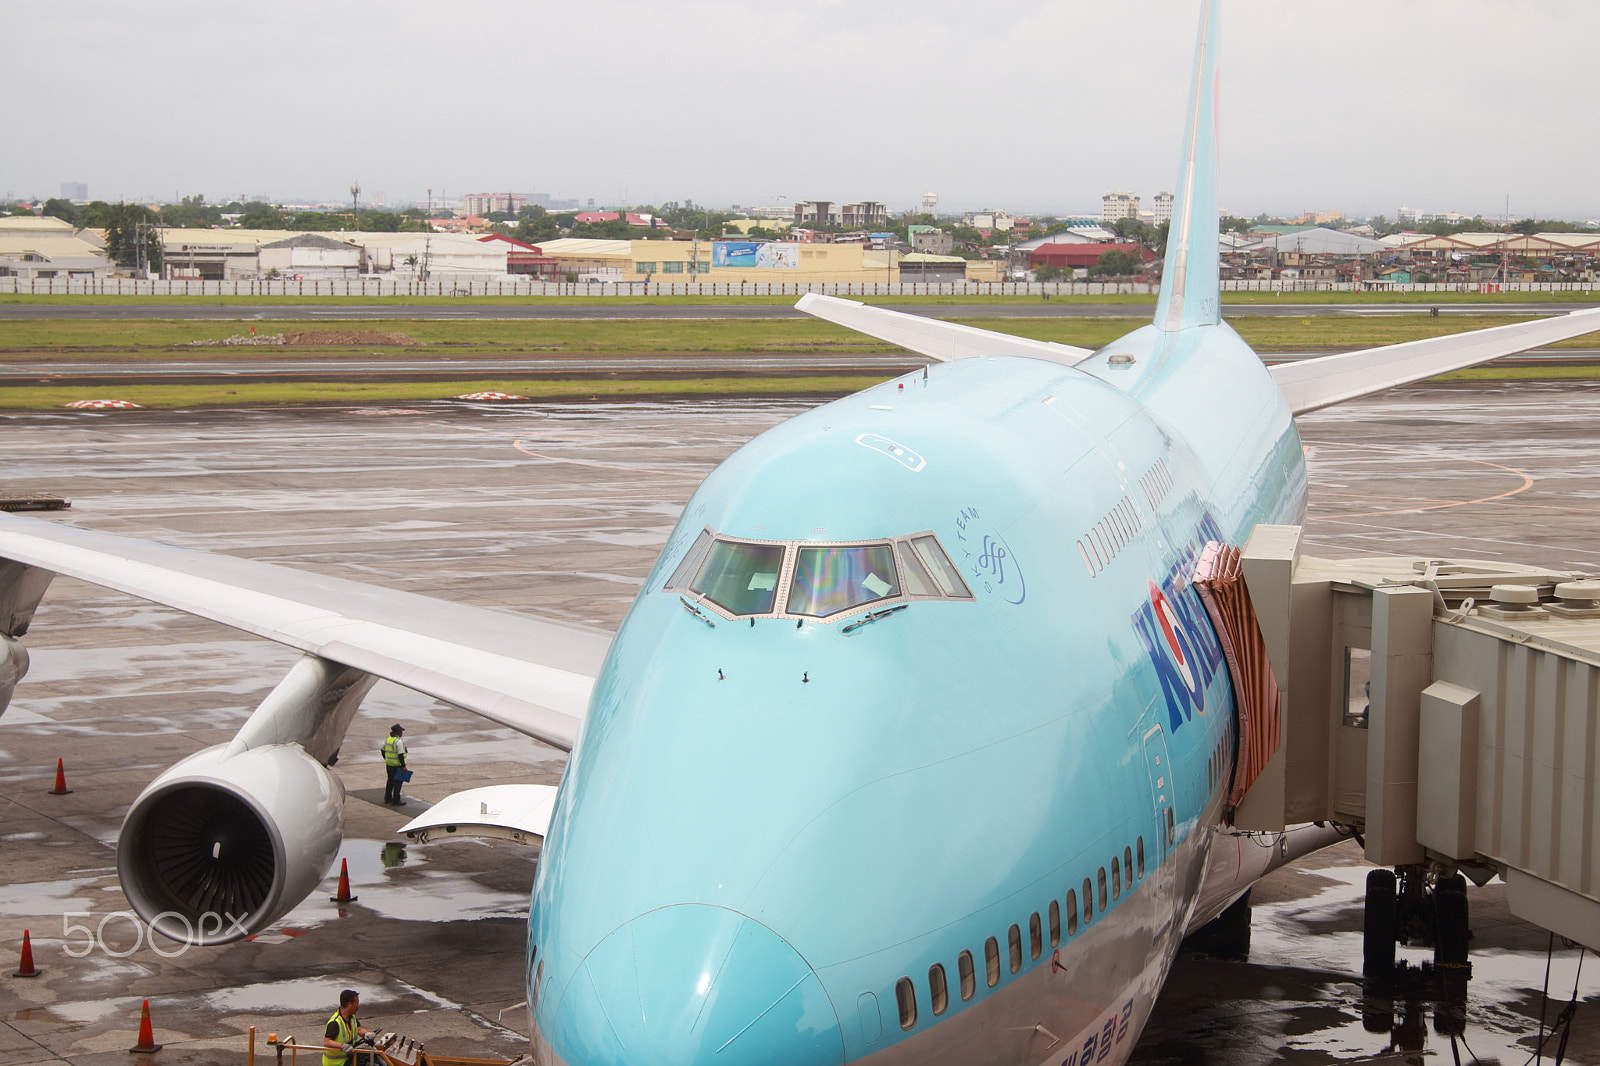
x,y
558,510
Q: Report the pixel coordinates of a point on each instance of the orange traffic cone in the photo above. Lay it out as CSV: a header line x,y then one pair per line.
x,y
27,968
61,788
344,895
147,1037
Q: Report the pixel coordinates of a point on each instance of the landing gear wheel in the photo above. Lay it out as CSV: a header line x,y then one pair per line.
x,y
1450,905
1379,928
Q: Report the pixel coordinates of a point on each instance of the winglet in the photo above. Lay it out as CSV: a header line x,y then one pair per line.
x,y
1190,286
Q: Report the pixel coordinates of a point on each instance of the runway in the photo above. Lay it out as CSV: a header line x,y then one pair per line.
x,y
621,307
558,510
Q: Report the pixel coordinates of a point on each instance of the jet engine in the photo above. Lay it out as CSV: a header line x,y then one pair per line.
x,y
230,839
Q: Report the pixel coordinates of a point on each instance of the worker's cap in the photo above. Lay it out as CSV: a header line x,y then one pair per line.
x,y
396,729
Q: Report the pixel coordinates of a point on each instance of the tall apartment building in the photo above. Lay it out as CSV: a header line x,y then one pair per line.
x,y
1163,207
482,203
863,215
1115,205
74,190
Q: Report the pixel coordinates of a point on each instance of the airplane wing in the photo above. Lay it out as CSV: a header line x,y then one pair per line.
x,y
931,337
1313,383
531,675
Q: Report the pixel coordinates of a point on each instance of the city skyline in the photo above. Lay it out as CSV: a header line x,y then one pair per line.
x,y
1364,108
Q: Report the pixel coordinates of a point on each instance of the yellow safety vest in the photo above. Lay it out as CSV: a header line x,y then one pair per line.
x,y
347,1035
392,755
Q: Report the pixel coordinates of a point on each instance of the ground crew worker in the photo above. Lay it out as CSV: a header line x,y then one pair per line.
x,y
394,760
338,1040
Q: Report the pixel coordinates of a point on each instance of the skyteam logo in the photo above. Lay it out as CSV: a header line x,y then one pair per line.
x,y
1177,636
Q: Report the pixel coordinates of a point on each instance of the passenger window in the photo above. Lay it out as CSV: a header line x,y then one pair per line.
x,y
991,961
1102,882
918,582
969,981
938,991
741,578
1014,942
830,580
1127,864
1055,923
538,979
939,565
1088,902
1116,878
1141,856
1072,912
1035,936
905,996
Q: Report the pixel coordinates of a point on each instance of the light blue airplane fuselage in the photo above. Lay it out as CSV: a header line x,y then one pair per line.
x,y
767,824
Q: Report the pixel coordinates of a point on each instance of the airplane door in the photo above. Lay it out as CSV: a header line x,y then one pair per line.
x,y
1161,785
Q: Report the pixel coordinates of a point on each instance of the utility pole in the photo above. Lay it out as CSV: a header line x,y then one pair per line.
x,y
355,205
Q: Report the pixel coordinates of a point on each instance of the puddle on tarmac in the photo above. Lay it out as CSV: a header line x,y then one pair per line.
x,y
48,897
398,881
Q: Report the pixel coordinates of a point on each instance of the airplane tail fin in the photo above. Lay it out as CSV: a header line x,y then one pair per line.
x,y
1190,285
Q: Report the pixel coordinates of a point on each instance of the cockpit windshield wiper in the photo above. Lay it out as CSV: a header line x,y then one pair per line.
x,y
873,617
692,609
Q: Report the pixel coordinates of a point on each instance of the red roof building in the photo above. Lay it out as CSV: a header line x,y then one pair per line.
x,y
1082,255
634,218
524,258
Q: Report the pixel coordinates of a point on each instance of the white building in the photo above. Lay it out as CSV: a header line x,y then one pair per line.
x,y
50,248
310,256
1163,207
238,253
483,203
1115,205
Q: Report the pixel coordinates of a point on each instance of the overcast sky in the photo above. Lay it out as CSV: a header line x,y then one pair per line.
x,y
1361,106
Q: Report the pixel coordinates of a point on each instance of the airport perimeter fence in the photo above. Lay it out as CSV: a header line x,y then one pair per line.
x,y
380,288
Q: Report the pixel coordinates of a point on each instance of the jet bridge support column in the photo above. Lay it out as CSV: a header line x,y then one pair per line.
x,y
1402,666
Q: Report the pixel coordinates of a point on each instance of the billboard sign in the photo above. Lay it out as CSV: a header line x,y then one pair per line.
x,y
756,255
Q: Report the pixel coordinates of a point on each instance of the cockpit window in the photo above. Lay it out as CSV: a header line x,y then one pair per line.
x,y
918,582
777,579
834,579
741,578
944,571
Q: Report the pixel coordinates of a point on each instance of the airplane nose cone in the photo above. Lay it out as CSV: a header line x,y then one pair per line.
x,y
696,984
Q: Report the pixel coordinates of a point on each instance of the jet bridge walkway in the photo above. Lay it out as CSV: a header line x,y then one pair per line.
x,y
1447,710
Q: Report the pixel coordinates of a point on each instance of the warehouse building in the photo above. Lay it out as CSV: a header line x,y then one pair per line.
x,y
50,248
791,262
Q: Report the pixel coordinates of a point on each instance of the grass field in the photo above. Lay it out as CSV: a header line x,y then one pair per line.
x,y
67,341
154,339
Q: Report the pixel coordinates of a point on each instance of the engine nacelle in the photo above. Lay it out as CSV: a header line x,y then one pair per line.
x,y
229,840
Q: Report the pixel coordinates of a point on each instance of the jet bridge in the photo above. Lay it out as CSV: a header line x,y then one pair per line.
x,y
1447,710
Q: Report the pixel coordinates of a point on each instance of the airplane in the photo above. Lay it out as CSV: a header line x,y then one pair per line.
x,y
916,745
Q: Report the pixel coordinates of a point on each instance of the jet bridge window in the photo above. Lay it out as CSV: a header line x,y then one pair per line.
x,y
740,578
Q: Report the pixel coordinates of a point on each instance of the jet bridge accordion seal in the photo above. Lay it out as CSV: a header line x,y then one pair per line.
x,y
1219,579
